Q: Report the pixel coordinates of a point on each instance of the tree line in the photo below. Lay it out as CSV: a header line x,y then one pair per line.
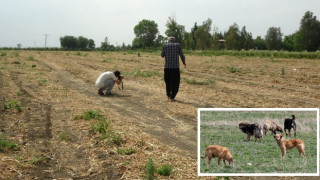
x,y
203,37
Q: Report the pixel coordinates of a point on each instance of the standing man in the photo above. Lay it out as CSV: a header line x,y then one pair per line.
x,y
107,80
171,52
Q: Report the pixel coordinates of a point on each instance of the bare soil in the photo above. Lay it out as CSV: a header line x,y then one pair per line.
x,y
54,87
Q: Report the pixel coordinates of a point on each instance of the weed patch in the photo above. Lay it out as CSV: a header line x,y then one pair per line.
x,y
5,144
88,115
128,151
144,74
165,170
42,81
233,69
150,169
12,105
209,82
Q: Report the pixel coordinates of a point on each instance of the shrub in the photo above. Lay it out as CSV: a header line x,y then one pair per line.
x,y
150,169
100,127
63,137
128,151
233,69
116,139
282,72
42,82
5,144
12,104
31,58
196,82
165,170
145,74
91,114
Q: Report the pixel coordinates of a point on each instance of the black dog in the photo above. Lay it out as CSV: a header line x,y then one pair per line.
x,y
290,124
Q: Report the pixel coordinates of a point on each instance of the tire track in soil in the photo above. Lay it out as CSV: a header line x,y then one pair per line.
x,y
65,157
131,106
38,133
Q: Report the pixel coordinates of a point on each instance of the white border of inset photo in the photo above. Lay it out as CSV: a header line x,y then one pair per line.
x,y
200,151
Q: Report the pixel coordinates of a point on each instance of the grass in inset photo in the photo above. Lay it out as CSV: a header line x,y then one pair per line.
x,y
222,128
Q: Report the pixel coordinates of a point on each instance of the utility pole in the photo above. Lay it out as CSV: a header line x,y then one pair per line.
x,y
45,43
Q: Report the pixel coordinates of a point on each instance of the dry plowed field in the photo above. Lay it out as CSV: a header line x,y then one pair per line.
x,y
55,88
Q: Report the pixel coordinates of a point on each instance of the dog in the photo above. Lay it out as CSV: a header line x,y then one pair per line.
x,y
290,124
271,126
252,129
219,152
289,144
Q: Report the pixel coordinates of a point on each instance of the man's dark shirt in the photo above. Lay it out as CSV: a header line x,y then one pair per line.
x,y
171,52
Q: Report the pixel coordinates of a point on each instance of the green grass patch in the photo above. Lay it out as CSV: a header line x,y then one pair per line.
x,y
144,74
90,114
6,144
100,127
12,105
127,151
3,54
63,137
31,58
210,82
257,54
165,170
42,81
233,69
150,169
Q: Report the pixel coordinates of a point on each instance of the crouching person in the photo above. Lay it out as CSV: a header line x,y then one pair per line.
x,y
107,80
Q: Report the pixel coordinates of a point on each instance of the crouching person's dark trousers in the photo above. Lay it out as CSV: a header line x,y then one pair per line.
x,y
172,80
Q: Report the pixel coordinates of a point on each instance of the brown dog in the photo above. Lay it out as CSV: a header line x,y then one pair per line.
x,y
289,144
271,126
219,152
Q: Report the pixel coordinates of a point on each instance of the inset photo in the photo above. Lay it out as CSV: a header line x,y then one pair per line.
x,y
258,142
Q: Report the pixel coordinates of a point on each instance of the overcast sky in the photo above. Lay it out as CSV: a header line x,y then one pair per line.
x,y
26,21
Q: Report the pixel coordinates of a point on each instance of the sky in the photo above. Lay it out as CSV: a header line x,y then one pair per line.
x,y
27,22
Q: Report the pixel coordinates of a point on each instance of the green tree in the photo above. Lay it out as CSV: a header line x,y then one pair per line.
x,y
175,30
259,43
309,37
190,40
203,36
289,42
274,38
82,43
218,40
105,44
233,38
246,39
69,42
146,32
91,44
160,41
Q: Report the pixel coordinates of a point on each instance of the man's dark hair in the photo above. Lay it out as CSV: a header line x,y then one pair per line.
x,y
117,73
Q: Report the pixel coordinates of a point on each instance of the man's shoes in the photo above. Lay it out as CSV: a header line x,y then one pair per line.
x,y
171,100
100,93
109,94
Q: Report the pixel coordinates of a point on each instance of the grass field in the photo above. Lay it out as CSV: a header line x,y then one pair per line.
x,y
221,128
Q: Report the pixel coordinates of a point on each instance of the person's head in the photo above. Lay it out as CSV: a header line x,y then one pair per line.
x,y
171,39
117,74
